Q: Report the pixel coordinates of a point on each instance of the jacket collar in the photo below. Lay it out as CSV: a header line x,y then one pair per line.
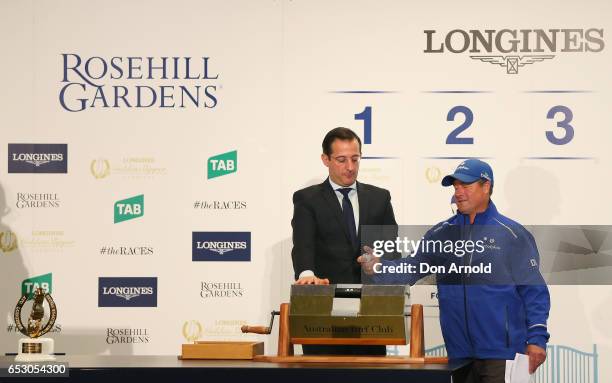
x,y
481,218
335,186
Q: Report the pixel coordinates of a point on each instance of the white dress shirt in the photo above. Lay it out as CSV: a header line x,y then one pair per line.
x,y
354,201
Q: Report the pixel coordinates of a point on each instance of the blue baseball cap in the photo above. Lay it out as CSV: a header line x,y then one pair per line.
x,y
470,170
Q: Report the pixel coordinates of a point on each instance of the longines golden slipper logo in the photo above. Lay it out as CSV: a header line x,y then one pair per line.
x,y
132,167
100,168
192,330
8,241
433,174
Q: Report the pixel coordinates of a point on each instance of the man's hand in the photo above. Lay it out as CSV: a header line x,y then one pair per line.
x,y
537,356
367,260
312,281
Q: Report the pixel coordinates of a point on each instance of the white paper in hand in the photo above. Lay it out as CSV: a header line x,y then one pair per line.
x,y
520,369
509,367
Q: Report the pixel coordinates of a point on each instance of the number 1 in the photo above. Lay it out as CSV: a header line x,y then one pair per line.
x,y
366,116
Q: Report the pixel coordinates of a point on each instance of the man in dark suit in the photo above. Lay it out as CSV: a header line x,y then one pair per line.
x,y
327,219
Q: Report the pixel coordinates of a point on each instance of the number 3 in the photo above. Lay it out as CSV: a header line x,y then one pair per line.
x,y
569,130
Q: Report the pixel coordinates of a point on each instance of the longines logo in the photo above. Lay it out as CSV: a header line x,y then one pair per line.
x,y
221,290
221,246
127,335
8,241
135,168
37,200
37,158
515,48
127,292
137,82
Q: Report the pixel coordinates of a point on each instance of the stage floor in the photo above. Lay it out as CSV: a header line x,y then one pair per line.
x,y
130,368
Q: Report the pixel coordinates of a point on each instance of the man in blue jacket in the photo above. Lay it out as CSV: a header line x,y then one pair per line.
x,y
493,300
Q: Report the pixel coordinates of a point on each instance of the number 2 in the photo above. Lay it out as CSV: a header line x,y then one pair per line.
x,y
452,138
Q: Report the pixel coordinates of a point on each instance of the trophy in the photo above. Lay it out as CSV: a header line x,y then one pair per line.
x,y
34,348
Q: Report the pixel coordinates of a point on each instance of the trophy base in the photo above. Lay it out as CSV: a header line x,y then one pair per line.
x,y
35,350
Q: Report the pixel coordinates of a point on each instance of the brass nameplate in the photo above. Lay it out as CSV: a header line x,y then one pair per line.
x,y
363,327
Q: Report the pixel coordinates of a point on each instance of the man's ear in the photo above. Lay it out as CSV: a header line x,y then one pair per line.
x,y
325,159
487,186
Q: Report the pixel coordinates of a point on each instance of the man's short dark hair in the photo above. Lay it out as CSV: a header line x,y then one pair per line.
x,y
338,134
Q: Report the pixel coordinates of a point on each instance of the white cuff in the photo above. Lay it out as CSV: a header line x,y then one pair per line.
x,y
306,273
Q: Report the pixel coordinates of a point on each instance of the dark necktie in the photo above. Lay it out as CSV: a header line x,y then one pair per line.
x,y
349,216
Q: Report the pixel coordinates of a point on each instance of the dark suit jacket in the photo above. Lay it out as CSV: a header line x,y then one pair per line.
x,y
321,242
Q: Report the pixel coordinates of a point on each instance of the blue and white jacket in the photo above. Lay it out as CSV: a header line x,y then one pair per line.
x,y
486,316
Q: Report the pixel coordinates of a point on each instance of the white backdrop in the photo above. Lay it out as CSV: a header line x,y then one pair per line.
x,y
288,71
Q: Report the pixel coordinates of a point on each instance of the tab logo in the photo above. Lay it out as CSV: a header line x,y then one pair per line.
x,y
221,246
129,208
127,292
29,286
223,164
37,158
